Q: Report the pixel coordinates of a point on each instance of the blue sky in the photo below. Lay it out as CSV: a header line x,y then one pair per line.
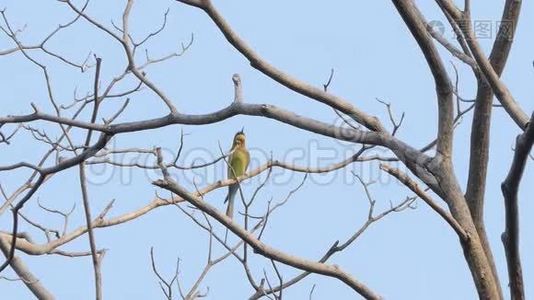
x,y
409,255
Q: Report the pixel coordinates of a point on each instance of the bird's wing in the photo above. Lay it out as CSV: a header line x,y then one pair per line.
x,y
230,173
247,160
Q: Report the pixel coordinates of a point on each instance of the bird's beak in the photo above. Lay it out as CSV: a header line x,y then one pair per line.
x,y
243,130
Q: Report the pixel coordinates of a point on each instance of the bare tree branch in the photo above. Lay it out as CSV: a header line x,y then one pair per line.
x,y
402,177
444,90
32,282
510,188
96,258
292,83
480,128
265,250
499,88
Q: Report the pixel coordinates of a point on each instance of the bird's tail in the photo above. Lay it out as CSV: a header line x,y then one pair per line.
x,y
232,191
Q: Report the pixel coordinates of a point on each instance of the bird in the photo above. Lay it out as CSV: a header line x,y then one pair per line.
x,y
238,161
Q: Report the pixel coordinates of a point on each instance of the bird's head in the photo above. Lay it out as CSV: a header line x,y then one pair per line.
x,y
239,138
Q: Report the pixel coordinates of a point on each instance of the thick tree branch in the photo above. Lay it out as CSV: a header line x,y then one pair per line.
x,y
480,128
236,108
441,167
444,90
510,188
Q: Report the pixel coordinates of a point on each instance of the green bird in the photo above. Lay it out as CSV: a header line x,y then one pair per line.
x,y
237,165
